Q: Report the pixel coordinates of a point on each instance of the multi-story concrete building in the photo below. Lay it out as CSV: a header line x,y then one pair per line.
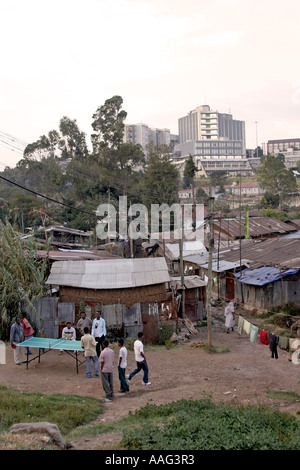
x,y
142,134
204,124
215,138
282,145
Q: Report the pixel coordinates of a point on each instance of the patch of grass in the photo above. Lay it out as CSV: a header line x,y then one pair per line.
x,y
203,425
216,349
66,411
284,395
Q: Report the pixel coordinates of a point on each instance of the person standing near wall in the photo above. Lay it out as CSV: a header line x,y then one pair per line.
x,y
82,323
99,331
28,330
16,337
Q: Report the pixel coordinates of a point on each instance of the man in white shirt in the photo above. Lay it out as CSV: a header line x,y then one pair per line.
x,y
122,366
99,331
140,360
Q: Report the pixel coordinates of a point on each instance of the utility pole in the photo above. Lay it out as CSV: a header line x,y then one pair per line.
x,y
210,253
256,122
181,261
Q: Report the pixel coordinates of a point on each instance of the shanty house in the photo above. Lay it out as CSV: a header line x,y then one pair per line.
x,y
272,275
223,278
128,291
195,295
268,286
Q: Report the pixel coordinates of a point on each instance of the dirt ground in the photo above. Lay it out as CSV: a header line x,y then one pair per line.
x,y
241,376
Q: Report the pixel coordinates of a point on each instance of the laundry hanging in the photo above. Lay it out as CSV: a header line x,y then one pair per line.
x,y
246,327
283,342
264,337
253,333
240,325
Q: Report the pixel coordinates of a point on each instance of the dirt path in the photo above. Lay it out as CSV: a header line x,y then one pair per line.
x,y
243,375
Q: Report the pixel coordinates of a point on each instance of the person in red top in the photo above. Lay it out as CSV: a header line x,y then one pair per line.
x,y
27,328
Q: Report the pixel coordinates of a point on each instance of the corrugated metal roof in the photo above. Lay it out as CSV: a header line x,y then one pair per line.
x,y
263,275
189,248
280,252
109,274
190,282
258,226
221,265
74,255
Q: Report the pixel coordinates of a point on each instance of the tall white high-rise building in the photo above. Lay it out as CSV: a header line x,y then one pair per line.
x,y
205,124
215,139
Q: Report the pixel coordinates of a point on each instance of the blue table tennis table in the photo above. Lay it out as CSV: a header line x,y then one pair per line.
x,y
45,345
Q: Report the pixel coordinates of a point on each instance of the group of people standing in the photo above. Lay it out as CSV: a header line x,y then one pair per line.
x,y
92,336
97,351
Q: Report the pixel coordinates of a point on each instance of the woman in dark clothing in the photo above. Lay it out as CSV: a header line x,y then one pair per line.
x,y
273,342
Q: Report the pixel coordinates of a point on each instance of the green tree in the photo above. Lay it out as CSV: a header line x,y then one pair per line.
x,y
21,275
218,178
274,176
190,170
117,160
270,200
108,125
160,182
67,143
73,141
201,196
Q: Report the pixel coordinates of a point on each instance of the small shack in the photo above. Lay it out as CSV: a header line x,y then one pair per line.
x,y
128,291
195,296
268,286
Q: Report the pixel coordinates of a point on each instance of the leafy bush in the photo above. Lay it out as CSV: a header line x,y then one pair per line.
x,y
165,333
203,425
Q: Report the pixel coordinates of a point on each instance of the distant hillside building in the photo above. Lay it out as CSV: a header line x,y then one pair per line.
x,y
142,134
282,145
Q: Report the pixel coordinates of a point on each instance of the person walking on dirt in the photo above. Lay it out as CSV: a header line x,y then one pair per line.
x,y
229,316
106,362
140,360
122,366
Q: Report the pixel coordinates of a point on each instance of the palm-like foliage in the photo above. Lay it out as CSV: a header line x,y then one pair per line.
x,y
21,275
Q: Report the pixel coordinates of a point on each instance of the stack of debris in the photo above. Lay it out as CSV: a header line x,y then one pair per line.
x,y
186,329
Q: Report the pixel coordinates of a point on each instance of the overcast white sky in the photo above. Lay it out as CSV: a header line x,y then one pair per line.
x,y
164,57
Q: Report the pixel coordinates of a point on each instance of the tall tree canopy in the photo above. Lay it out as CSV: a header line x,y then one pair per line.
x,y
274,176
117,159
189,173
160,182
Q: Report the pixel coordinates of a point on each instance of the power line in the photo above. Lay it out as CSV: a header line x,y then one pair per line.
x,y
12,142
